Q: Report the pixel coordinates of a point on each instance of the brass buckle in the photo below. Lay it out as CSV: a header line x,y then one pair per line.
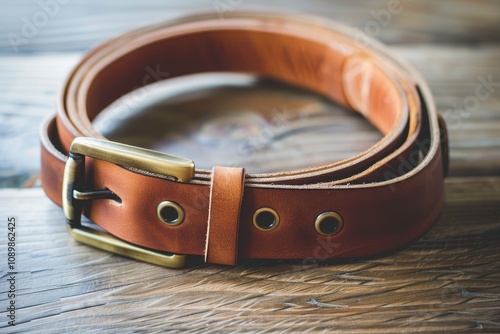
x,y
73,195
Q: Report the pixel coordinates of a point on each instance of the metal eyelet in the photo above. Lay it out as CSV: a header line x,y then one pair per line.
x,y
328,223
170,213
266,219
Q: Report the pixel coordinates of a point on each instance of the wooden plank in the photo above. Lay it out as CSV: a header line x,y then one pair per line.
x,y
28,93
454,75
78,24
449,280
441,47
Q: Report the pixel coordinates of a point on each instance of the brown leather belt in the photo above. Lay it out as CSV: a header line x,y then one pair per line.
x,y
159,208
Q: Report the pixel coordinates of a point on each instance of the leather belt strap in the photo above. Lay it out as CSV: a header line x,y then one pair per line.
x,y
371,203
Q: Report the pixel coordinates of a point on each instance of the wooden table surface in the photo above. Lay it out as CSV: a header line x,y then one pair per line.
x,y
449,280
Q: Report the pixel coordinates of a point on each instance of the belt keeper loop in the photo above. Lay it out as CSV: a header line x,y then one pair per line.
x,y
226,194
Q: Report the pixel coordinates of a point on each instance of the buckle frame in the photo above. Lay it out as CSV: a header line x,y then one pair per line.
x,y
178,168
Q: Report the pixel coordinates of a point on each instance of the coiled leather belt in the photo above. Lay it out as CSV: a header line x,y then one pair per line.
x,y
159,208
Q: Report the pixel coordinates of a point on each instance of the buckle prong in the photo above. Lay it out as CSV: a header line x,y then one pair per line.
x,y
94,194
138,158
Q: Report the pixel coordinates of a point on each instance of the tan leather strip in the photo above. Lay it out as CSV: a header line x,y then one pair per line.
x,y
226,194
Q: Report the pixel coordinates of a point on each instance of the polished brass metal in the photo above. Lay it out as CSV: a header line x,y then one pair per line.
x,y
73,171
111,244
136,157
127,156
321,219
257,219
176,207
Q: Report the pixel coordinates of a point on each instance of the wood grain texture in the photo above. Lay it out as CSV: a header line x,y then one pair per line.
x,y
449,280
450,51
79,24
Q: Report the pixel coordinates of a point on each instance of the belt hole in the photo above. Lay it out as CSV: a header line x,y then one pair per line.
x,y
266,219
170,213
328,223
